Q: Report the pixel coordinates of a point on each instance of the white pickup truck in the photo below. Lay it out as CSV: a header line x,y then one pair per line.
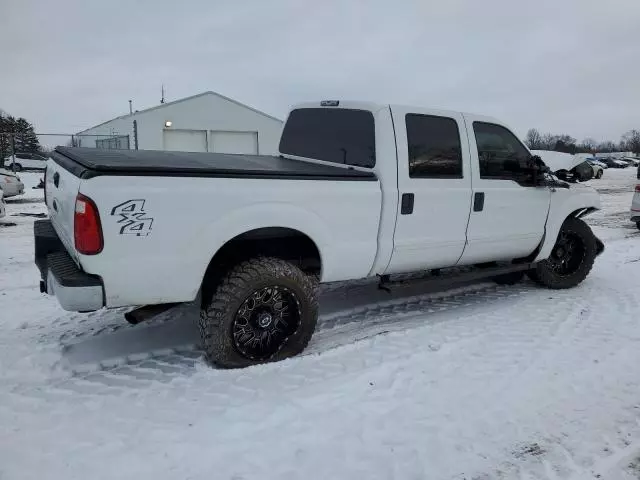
x,y
358,190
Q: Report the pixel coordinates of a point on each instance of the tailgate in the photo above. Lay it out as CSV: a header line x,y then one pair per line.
x,y
61,188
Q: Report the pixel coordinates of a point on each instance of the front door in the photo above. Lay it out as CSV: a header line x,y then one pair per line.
x,y
509,214
434,186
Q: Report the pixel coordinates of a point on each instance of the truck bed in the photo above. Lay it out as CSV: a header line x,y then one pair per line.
x,y
91,162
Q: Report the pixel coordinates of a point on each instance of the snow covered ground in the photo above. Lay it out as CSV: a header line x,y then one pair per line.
x,y
480,382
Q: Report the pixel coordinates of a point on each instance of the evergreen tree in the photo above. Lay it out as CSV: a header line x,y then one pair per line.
x,y
7,126
26,140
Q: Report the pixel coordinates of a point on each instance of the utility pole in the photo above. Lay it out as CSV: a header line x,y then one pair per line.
x,y
135,134
130,107
162,99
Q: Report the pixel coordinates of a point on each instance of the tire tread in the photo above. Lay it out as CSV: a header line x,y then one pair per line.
x,y
216,317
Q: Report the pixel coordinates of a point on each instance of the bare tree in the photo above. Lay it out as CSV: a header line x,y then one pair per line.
x,y
533,139
607,147
588,144
548,141
631,141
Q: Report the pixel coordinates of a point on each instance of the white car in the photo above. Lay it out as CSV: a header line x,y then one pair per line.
x,y
10,184
358,190
598,170
3,210
26,161
635,207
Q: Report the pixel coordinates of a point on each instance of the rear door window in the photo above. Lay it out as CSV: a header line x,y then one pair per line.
x,y
434,147
331,134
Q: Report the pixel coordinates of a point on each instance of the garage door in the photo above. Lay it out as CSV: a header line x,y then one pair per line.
x,y
185,140
233,142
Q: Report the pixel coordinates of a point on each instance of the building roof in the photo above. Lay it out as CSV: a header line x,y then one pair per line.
x,y
163,105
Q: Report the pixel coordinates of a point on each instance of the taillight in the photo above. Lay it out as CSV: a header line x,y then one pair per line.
x,y
87,230
637,188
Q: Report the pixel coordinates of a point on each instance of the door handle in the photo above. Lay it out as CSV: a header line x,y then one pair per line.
x,y
406,204
478,201
56,179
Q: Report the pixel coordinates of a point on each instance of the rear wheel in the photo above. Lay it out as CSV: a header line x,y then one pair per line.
x,y
264,310
638,225
17,167
571,259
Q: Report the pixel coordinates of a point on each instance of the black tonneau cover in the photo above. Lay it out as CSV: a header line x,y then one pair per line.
x,y
91,162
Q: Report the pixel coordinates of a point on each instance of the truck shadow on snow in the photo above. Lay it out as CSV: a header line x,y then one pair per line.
x,y
349,313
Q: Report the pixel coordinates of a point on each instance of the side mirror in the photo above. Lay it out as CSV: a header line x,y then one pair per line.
x,y
538,165
537,168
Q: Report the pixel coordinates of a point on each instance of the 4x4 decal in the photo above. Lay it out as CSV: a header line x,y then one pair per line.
x,y
133,218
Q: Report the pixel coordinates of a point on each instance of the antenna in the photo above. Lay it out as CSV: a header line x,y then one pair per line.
x,y
130,107
162,99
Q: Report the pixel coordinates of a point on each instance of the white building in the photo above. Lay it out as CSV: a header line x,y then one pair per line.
x,y
208,122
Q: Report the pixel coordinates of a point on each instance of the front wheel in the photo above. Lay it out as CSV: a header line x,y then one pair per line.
x,y
571,259
638,225
264,310
599,174
17,167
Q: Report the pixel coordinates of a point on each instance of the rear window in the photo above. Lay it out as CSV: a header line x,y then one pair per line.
x,y
333,135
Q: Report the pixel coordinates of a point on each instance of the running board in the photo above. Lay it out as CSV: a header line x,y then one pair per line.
x,y
148,311
439,277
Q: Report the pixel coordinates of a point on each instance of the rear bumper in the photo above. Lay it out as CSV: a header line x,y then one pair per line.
x,y
76,290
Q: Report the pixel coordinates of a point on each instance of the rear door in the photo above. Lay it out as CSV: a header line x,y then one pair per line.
x,y
184,140
233,142
434,184
509,212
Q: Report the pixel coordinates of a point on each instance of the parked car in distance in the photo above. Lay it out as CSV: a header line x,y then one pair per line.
x,y
632,161
3,210
26,161
635,207
613,163
596,161
10,184
351,195
597,168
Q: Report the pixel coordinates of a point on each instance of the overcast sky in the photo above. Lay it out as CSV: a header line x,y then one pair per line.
x,y
566,66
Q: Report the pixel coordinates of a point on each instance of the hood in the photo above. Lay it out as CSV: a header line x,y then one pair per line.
x,y
557,161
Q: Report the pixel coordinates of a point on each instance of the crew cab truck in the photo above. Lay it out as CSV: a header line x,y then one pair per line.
x,y
358,190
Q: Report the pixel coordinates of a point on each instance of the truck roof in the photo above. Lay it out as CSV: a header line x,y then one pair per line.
x,y
375,106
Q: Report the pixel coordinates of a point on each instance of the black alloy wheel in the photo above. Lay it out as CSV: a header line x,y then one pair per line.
x,y
264,322
567,254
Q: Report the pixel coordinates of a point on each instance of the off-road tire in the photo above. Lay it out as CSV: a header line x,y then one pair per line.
x,y
509,278
545,275
218,315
